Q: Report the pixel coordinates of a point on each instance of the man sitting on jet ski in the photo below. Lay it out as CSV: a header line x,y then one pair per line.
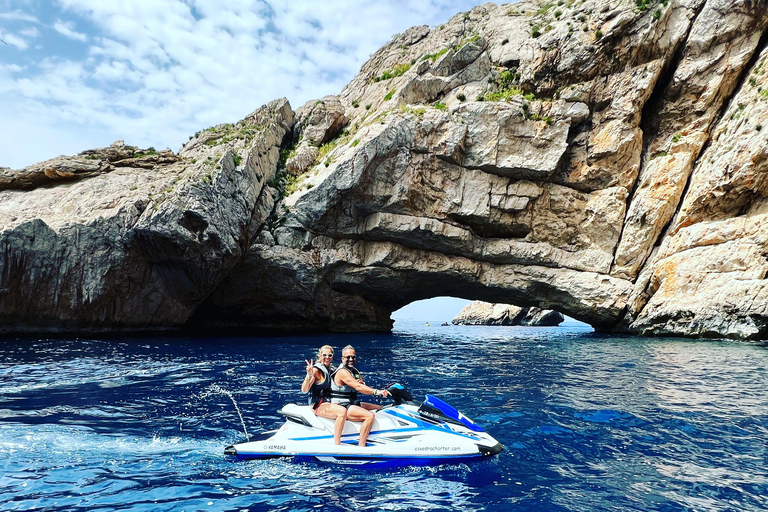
x,y
346,382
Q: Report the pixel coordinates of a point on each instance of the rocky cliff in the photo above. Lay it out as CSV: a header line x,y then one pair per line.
x,y
484,313
606,160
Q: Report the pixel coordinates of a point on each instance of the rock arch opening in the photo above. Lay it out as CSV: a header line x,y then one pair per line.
x,y
455,311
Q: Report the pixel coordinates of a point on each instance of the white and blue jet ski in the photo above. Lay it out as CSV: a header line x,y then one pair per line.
x,y
405,434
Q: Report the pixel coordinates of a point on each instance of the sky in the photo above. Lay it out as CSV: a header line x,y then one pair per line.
x,y
80,74
442,309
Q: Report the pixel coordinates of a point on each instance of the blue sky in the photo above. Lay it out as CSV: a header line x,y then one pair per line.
x,y
443,309
79,74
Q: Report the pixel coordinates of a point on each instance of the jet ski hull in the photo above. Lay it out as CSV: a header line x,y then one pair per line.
x,y
402,435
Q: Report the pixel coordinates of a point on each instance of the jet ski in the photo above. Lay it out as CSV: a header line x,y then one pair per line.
x,y
407,433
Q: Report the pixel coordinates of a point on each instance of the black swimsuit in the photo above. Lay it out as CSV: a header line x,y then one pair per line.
x,y
320,391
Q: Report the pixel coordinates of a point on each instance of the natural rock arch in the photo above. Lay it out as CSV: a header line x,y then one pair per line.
x,y
385,228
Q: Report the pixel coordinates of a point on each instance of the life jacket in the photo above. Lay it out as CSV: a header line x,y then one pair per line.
x,y
320,391
344,394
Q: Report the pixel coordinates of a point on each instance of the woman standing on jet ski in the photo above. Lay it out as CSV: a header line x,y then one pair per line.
x,y
318,384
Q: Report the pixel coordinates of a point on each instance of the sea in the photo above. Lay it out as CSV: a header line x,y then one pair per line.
x,y
588,422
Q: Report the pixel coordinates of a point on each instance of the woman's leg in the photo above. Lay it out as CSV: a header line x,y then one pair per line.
x,y
333,412
357,413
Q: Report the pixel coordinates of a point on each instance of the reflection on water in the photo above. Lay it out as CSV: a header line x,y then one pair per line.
x,y
709,378
589,423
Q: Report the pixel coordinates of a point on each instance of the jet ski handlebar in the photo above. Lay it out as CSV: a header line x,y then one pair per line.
x,y
401,395
433,408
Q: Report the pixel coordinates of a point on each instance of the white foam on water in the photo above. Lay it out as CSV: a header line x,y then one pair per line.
x,y
64,440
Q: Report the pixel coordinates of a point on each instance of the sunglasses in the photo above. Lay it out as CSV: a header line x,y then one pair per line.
x,y
326,355
349,357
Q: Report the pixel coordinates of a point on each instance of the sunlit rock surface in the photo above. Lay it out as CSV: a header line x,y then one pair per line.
x,y
484,313
607,161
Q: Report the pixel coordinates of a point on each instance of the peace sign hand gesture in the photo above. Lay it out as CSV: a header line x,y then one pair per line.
x,y
310,367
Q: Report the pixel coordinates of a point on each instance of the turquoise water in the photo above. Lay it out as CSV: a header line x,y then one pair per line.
x,y
589,423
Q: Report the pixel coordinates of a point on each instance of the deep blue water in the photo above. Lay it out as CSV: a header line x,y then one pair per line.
x,y
590,423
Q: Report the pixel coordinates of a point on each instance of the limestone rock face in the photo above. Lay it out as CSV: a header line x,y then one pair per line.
x,y
317,122
87,164
136,246
484,313
604,161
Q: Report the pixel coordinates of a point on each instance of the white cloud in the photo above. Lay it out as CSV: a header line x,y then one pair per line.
x,y
67,29
30,32
17,16
13,40
157,71
114,71
11,68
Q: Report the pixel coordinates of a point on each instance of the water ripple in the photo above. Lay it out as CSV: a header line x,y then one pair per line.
x,y
589,423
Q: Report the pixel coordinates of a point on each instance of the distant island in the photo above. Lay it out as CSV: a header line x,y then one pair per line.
x,y
485,313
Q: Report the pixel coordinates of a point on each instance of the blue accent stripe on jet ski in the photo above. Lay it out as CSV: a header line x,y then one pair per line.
x,y
382,432
423,425
389,462
378,461
420,426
